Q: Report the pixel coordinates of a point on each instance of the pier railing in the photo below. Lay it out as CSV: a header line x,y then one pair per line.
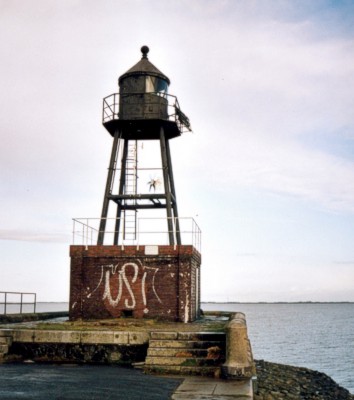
x,y
17,302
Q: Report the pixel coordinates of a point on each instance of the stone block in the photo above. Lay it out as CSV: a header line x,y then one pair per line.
x,y
4,348
168,343
56,337
233,388
99,337
199,387
6,332
138,337
23,336
164,335
6,340
120,337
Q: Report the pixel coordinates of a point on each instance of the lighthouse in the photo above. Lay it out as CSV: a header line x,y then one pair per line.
x,y
140,258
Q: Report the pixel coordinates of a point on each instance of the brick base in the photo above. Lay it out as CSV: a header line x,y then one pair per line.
x,y
149,281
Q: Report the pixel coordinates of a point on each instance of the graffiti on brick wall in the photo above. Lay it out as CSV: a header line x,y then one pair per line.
x,y
125,285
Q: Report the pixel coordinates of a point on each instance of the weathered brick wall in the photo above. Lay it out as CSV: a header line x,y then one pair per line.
x,y
111,281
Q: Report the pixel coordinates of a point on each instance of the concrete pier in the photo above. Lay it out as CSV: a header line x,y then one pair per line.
x,y
77,380
177,350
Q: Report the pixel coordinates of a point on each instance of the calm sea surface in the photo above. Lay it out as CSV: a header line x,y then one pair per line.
x,y
316,336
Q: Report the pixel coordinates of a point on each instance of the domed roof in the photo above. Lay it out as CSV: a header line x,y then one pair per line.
x,y
144,67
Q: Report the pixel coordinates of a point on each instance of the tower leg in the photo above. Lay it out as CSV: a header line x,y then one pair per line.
x,y
166,181
174,202
121,191
111,169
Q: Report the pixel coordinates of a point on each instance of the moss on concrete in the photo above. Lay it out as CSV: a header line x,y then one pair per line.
x,y
210,322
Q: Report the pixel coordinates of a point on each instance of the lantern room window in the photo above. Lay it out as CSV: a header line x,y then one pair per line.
x,y
155,85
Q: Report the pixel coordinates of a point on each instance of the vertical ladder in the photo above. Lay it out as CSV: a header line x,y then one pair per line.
x,y
131,177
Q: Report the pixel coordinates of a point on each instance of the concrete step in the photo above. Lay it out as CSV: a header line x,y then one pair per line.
x,y
182,361
187,353
214,352
176,352
208,336
204,336
185,344
211,371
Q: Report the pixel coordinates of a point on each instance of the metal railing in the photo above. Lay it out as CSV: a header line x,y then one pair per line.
x,y
110,110
150,231
8,302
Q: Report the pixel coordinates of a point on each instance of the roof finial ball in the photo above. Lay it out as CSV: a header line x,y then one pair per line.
x,y
145,51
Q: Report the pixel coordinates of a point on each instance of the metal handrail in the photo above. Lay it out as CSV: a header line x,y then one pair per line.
x,y
5,303
85,231
110,110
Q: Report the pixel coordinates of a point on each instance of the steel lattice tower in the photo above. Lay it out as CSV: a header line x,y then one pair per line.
x,y
142,110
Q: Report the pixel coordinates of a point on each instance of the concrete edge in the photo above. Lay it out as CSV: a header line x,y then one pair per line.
x,y
15,318
82,337
239,358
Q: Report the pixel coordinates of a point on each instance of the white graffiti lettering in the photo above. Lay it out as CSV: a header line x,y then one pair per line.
x,y
125,280
122,280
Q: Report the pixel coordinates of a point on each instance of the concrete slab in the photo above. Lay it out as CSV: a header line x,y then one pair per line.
x,y
85,337
231,387
56,337
121,338
138,337
199,388
24,335
6,332
163,335
6,340
4,348
92,337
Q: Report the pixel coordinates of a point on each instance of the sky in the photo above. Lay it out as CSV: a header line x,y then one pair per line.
x,y
268,172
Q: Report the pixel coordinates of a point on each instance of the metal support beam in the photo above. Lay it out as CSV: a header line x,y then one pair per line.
x,y
137,196
174,203
142,206
166,200
110,176
121,191
167,186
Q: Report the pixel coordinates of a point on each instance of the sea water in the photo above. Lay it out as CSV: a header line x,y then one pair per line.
x,y
318,336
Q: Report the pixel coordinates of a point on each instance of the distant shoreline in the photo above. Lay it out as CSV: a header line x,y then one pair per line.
x,y
277,302
245,302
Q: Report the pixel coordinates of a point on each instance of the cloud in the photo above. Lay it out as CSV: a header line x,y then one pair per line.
x,y
291,169
344,262
32,236
260,84
273,85
257,79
